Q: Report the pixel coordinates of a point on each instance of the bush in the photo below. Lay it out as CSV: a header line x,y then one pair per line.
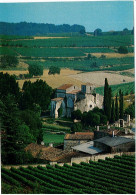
x,y
8,60
76,114
77,127
36,70
122,50
54,70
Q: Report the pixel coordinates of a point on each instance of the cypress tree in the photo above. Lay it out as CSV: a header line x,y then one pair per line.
x,y
121,104
116,109
109,106
107,99
112,113
106,102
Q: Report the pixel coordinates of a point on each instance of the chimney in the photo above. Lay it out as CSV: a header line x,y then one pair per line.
x,y
126,131
51,144
97,128
113,133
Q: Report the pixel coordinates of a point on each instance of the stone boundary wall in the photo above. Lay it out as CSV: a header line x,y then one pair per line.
x,y
73,160
97,157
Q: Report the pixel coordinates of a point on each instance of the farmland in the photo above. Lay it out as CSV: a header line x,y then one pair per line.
x,y
76,41
116,176
69,51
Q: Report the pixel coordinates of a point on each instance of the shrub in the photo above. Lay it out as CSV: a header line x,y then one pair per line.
x,y
36,70
122,50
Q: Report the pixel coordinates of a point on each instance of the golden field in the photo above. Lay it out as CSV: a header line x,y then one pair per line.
x,y
76,77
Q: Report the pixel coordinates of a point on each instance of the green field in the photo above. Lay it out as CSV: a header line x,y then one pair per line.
x,y
110,176
49,52
53,138
76,41
125,88
7,51
94,64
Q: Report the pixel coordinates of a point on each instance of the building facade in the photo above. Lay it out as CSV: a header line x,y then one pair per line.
x,y
69,98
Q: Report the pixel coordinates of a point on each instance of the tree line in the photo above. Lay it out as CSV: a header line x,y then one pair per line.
x,y
31,29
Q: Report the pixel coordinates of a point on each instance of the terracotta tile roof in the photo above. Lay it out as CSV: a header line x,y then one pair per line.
x,y
74,91
80,136
57,99
49,153
65,86
90,84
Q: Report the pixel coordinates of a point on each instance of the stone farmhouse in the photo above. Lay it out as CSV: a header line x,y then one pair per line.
x,y
69,98
78,138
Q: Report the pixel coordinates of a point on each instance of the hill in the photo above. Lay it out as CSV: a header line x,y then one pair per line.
x,y
29,29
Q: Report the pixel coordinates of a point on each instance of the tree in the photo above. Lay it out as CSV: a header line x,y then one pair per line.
x,y
82,31
9,61
8,85
107,99
121,105
116,109
98,32
89,56
77,127
38,93
132,32
112,112
15,133
125,31
54,70
131,110
33,121
92,119
35,70
122,50
76,114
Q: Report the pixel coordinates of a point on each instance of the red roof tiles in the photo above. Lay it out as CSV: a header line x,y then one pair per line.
x,y
80,136
65,86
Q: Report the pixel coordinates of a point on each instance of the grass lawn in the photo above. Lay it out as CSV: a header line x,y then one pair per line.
x,y
53,138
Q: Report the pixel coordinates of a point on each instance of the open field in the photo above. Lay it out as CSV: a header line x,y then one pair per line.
x,y
77,78
98,78
113,55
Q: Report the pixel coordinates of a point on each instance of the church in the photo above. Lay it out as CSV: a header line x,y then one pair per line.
x,y
69,98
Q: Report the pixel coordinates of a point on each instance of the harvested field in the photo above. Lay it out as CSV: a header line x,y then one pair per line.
x,y
113,55
53,80
76,77
97,78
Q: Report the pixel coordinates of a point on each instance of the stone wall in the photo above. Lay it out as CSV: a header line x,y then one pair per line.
x,y
71,143
89,102
97,157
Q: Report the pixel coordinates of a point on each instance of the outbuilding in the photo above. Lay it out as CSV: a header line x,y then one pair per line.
x,y
115,144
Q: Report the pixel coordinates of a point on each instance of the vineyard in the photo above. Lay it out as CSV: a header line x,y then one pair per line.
x,y
126,88
109,176
75,41
97,64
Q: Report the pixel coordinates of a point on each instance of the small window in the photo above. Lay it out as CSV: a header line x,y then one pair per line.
x,y
90,106
74,87
90,88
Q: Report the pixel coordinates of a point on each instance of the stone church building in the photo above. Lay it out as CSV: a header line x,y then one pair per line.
x,y
69,98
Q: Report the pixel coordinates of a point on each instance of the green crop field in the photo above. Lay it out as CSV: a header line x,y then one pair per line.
x,y
110,176
114,64
126,88
98,50
49,52
7,51
76,41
